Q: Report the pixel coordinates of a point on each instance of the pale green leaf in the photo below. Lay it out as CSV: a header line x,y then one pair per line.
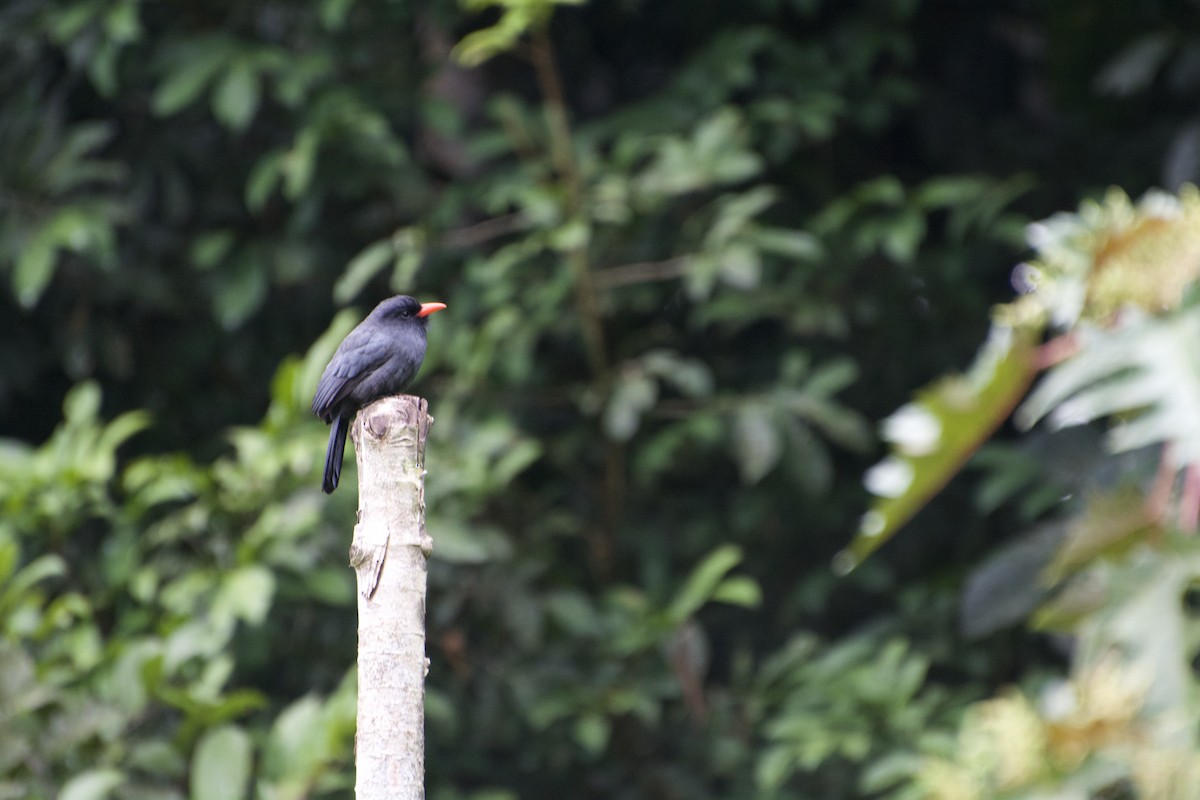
x,y
246,594
689,376
297,165
1147,373
297,743
703,582
788,243
756,442
592,732
34,269
208,249
633,395
82,403
95,784
221,765
738,590
773,767
121,429
236,95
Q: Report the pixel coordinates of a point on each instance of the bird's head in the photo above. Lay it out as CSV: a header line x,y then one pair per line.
x,y
402,307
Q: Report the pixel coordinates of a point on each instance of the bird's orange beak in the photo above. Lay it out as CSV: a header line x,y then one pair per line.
x,y
429,308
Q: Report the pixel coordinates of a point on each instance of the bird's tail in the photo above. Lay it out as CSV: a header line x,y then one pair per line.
x,y
333,456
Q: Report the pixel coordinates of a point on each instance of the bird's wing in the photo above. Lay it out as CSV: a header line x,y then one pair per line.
x,y
357,356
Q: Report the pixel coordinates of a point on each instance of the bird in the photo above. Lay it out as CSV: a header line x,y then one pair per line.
x,y
380,357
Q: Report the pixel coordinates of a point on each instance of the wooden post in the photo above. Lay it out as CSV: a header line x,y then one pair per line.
x,y
389,555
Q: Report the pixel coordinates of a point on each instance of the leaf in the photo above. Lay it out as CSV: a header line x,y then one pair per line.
x,y
40,569
122,23
9,553
34,269
79,229
246,594
773,767
264,177
740,266
296,166
121,429
518,17
703,582
95,784
333,13
192,72
296,745
1110,524
904,236
951,191
479,46
690,376
739,590
1007,587
209,249
634,394
757,443
221,764
799,245
236,95
240,293
72,165
1134,68
82,403
956,414
1146,373
592,732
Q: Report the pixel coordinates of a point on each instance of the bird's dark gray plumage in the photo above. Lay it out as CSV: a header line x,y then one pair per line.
x,y
378,358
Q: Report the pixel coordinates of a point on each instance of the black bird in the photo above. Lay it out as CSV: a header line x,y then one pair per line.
x,y
378,358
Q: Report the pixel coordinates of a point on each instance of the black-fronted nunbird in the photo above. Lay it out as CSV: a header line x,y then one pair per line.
x,y
378,358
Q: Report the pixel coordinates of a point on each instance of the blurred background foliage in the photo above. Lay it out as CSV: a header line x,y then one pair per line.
x,y
691,252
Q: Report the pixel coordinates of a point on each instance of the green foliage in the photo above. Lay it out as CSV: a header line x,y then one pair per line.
x,y
851,702
1125,718
1098,274
1115,579
687,251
